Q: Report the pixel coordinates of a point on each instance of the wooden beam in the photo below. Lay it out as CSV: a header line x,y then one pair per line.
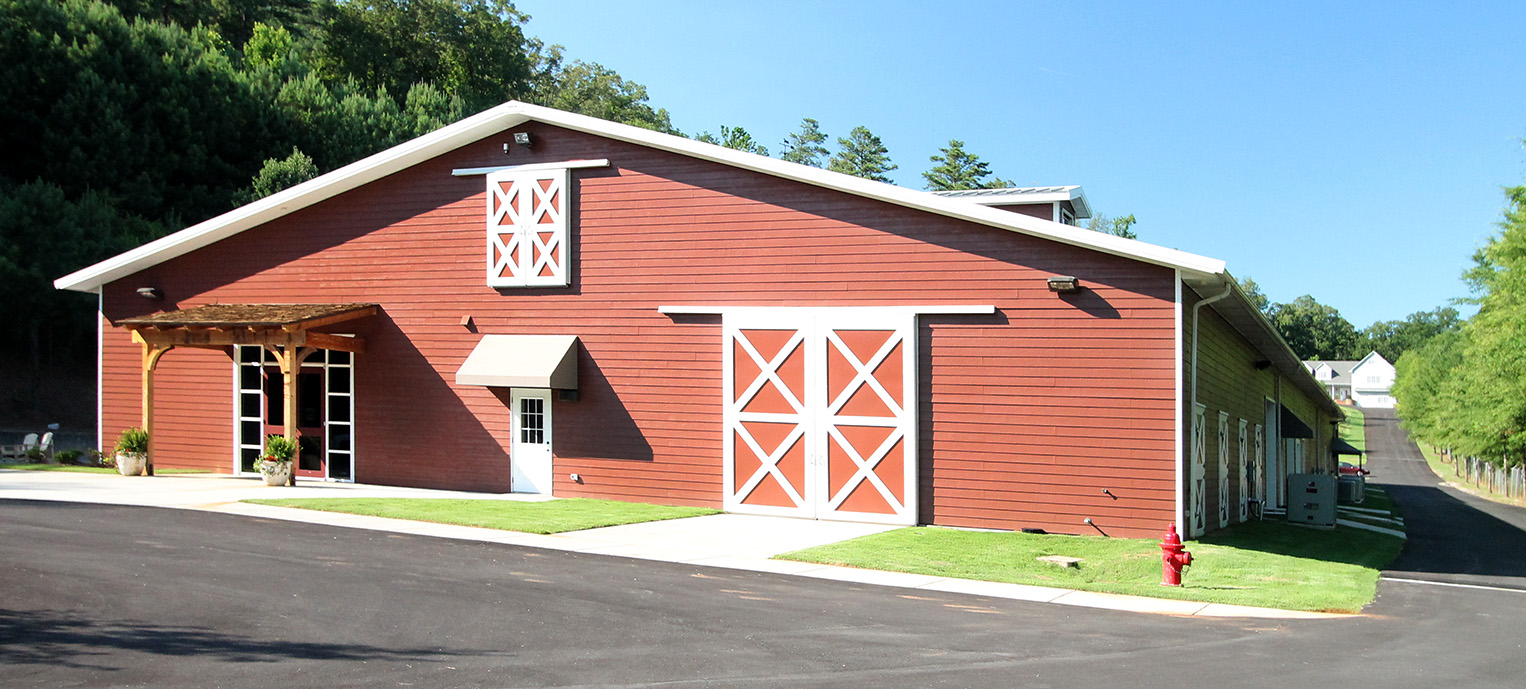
x,y
353,345
242,336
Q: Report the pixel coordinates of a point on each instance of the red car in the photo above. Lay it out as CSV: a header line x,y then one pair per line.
x,y
1349,469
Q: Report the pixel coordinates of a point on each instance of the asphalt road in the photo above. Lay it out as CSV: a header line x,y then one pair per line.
x,y
97,596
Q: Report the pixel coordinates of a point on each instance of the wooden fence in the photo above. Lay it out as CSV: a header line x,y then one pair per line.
x,y
1507,481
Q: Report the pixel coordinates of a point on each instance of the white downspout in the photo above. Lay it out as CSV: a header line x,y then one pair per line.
x,y
1182,515
1196,317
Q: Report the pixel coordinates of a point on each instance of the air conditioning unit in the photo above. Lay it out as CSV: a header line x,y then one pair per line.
x,y
1311,500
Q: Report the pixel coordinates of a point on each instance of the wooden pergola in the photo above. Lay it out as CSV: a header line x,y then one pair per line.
x,y
285,330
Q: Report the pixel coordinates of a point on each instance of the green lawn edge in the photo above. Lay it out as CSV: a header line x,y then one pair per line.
x,y
1260,564
91,470
547,517
1447,473
1353,429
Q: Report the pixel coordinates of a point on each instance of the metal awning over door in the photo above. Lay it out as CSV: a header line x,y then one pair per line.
x,y
522,361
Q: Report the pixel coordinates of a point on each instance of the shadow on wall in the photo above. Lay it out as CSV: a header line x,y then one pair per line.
x,y
598,425
1090,303
412,428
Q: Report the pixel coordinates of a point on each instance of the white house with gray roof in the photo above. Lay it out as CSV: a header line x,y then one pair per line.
x,y
1366,383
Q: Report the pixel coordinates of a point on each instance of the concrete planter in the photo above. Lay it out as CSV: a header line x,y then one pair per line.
x,y
275,473
131,463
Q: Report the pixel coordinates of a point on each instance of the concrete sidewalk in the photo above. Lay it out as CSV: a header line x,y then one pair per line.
x,y
732,541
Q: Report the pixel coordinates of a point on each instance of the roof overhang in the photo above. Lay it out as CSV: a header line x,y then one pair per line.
x,y
1251,324
224,325
514,113
1019,196
522,361
1341,447
1294,427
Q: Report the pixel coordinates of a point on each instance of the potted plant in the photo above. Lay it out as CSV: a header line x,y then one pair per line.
x,y
132,451
275,466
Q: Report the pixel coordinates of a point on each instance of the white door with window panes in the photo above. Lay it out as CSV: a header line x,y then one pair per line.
x,y
530,450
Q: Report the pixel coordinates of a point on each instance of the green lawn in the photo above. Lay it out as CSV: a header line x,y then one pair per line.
x,y
91,470
552,516
1351,429
1265,564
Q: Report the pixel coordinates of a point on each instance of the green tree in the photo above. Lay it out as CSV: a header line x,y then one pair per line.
x,y
592,89
1314,330
277,174
474,49
862,154
1421,387
1393,338
1121,226
734,138
958,169
1257,297
805,146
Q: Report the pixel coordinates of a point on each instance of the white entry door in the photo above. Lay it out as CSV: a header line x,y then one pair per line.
x,y
820,414
530,451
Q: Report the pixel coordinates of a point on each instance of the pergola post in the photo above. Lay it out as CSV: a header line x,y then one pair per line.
x,y
151,354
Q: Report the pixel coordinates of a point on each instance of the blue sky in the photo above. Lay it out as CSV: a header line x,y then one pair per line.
x,y
1352,151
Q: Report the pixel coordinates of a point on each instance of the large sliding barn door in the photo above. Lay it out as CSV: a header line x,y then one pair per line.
x,y
821,415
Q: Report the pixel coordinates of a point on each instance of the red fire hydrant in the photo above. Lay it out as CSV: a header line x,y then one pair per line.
x,y
1173,557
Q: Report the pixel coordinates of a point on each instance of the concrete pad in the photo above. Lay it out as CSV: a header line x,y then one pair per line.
x,y
872,576
1226,610
1110,601
996,589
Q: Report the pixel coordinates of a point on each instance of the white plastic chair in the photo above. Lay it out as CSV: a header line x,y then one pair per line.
x,y
46,445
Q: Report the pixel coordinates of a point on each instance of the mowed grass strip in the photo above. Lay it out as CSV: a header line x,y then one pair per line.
x,y
1353,429
1262,564
551,516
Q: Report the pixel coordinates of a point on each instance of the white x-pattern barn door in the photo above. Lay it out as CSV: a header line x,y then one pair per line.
x,y
820,414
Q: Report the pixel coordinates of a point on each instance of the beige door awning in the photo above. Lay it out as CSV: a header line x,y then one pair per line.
x,y
522,361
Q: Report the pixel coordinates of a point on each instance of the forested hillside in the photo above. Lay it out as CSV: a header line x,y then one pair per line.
x,y
125,120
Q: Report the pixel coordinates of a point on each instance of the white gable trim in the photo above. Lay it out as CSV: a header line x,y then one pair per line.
x,y
514,113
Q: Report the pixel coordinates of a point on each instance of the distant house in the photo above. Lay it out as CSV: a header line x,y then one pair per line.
x,y
1365,383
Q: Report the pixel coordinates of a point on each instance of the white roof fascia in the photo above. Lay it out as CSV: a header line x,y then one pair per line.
x,y
514,113
356,174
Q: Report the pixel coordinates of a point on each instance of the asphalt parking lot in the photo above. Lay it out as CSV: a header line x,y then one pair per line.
x,y
105,596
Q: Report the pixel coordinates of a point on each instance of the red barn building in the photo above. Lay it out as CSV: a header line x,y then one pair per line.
x,y
532,300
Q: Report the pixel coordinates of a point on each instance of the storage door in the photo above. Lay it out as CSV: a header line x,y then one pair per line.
x,y
820,415
867,425
765,417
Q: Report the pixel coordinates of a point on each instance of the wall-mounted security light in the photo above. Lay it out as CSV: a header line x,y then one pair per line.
x,y
153,293
1064,284
522,139
1263,364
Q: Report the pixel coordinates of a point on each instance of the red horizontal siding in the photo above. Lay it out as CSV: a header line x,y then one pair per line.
x,y
1025,415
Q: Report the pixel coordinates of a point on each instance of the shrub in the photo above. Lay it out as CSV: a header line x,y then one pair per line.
x,y
68,456
133,441
279,449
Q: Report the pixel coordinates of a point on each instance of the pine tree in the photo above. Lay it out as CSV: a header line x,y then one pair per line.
x,y
805,146
734,138
958,169
862,154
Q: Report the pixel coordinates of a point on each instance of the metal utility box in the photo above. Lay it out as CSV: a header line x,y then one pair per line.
x,y
1311,500
1352,489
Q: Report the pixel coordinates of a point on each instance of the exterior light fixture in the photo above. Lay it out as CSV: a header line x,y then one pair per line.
x,y
1263,364
1064,284
152,293
522,139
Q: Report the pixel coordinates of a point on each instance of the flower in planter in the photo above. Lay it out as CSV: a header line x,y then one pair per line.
x,y
279,449
133,441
